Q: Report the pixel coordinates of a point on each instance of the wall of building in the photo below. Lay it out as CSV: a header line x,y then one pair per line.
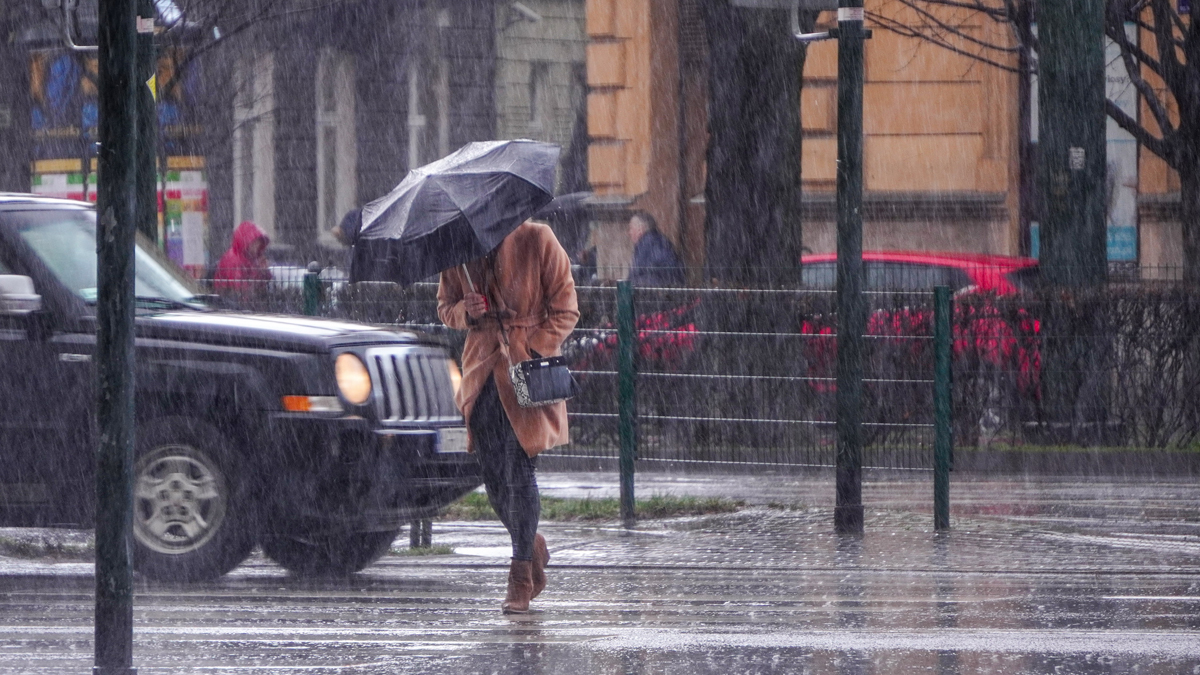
x,y
380,41
939,147
540,78
939,141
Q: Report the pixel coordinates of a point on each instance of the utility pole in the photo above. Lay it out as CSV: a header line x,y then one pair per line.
x,y
1071,141
147,120
115,209
851,306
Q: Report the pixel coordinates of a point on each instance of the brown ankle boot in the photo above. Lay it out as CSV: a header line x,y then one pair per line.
x,y
520,587
541,556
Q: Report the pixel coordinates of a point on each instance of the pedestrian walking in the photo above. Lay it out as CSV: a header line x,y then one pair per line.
x,y
654,260
516,303
244,268
346,233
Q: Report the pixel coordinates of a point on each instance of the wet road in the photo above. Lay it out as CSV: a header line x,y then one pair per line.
x,y
1035,578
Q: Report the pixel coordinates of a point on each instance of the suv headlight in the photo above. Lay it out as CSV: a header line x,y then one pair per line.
x,y
353,380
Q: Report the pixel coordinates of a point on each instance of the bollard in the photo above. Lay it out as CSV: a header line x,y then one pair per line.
x,y
420,533
312,289
943,437
627,398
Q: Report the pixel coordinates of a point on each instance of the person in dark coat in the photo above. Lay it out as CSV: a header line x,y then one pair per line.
x,y
654,260
346,232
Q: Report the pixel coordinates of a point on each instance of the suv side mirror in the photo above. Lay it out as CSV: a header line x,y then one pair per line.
x,y
17,296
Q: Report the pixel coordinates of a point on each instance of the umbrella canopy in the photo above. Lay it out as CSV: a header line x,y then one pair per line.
x,y
453,210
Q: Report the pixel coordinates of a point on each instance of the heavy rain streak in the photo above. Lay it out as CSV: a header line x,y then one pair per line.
x,y
600,336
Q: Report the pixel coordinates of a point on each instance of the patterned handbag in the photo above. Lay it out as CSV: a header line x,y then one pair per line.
x,y
539,382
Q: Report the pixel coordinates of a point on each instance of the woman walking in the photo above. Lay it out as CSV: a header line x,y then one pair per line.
x,y
516,303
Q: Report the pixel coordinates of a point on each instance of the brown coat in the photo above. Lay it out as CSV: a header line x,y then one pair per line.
x,y
530,286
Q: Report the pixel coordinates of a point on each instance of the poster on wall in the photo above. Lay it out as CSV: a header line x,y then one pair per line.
x,y
183,212
1121,188
63,119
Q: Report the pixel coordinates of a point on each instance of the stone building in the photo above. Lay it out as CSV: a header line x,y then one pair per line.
x,y
292,115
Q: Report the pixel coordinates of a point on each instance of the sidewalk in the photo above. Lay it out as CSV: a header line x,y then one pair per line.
x,y
1034,577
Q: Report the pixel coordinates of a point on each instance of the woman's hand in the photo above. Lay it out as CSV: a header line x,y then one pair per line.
x,y
476,305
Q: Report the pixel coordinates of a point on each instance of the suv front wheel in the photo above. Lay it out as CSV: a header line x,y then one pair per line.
x,y
192,516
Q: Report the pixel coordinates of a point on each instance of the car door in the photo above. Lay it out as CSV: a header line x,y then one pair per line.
x,y
46,390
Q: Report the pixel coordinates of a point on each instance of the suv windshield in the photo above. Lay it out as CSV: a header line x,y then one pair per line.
x,y
65,240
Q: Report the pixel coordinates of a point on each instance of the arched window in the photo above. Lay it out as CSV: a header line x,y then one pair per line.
x,y
337,151
429,98
254,141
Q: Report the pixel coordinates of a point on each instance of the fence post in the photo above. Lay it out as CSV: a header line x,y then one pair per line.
x,y
627,398
420,533
312,289
943,438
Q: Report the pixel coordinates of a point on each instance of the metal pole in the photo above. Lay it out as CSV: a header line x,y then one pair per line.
x,y
627,398
943,439
147,120
852,309
115,207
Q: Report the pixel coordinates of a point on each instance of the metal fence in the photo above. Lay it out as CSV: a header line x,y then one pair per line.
x,y
746,376
721,376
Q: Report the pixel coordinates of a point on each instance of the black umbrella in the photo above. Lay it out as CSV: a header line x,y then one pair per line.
x,y
453,210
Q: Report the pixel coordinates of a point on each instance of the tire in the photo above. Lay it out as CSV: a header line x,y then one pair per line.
x,y
193,518
328,556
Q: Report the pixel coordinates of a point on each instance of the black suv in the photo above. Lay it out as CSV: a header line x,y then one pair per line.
x,y
317,439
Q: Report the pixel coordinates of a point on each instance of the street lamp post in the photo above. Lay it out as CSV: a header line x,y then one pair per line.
x,y
851,306
852,310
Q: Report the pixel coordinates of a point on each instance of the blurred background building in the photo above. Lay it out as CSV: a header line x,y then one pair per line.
x,y
290,113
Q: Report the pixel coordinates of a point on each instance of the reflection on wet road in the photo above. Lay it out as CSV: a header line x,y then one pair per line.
x,y
760,591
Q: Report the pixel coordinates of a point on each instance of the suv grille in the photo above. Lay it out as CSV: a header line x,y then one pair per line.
x,y
412,384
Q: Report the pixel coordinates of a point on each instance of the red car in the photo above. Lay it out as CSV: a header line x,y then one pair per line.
x,y
921,270
987,337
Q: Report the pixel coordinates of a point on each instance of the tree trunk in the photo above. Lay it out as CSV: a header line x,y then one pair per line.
x,y
1189,220
752,193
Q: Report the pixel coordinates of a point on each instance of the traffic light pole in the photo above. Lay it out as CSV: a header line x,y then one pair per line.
x,y
115,213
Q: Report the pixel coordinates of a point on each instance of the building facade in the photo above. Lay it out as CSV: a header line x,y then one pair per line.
x,y
942,140
288,118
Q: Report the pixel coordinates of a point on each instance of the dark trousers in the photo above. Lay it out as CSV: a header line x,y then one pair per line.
x,y
509,475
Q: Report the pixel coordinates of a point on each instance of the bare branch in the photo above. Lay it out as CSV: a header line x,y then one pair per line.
x,y
1161,116
936,23
902,30
250,20
1115,30
1151,142
1164,34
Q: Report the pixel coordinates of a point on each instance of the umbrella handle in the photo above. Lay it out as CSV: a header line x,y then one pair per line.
x,y
471,283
